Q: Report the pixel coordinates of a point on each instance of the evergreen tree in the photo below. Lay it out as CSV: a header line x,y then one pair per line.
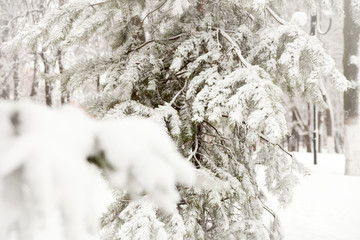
x,y
214,73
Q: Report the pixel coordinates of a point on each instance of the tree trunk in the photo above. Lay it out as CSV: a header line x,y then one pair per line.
x,y
307,137
64,94
48,97
351,97
5,88
48,85
319,129
4,94
16,78
304,128
35,83
329,123
330,140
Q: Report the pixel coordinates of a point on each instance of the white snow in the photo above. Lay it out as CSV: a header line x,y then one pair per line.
x,y
326,204
178,7
299,18
145,158
48,188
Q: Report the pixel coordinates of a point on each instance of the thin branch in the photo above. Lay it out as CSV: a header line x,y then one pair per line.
x,y
235,47
140,46
182,202
193,153
180,73
275,144
268,209
177,94
153,40
213,127
100,3
177,36
212,228
215,136
152,11
275,16
220,145
262,136
217,39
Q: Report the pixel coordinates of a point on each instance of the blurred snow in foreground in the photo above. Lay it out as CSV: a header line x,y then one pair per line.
x,y
326,204
47,188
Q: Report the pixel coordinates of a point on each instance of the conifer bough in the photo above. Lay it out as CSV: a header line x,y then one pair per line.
x,y
187,64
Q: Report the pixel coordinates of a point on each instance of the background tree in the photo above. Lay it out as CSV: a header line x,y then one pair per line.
x,y
21,78
351,98
215,74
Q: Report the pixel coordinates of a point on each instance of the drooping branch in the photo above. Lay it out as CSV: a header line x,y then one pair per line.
x,y
235,47
275,16
262,136
268,209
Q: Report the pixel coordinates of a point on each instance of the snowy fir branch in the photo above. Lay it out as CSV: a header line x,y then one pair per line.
x,y
200,69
